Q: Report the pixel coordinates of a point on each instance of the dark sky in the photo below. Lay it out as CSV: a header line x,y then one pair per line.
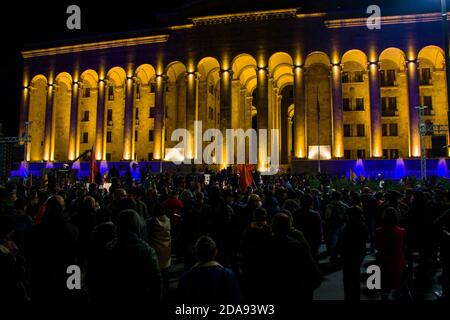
x,y
40,23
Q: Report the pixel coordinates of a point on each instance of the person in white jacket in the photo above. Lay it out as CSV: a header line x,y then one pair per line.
x,y
158,231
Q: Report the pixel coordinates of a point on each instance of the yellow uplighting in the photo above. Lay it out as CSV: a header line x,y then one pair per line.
x,y
325,152
174,155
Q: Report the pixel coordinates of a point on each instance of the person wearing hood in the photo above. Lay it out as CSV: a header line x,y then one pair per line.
x,y
134,273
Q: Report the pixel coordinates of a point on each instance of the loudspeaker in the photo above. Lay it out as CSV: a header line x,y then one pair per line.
x,y
438,146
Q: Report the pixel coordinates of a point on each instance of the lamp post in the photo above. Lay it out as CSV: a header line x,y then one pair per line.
x,y
423,131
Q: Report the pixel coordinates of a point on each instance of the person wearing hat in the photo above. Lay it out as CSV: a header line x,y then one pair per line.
x,y
208,281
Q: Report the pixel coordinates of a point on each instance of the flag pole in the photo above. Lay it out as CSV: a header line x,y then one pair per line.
x,y
318,130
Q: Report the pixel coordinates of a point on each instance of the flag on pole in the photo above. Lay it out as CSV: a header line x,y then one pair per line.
x,y
245,176
92,167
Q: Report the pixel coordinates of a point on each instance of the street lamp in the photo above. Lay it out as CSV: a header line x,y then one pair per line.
x,y
423,131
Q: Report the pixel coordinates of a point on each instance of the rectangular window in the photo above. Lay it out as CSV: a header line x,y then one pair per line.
x,y
152,87
387,78
393,103
85,137
150,135
85,116
347,130
108,136
150,156
393,129
135,135
345,77
108,157
389,106
358,76
87,93
152,112
425,76
138,91
360,130
393,153
109,115
211,113
384,129
347,154
110,93
165,135
136,115
385,154
428,102
359,104
346,104
361,154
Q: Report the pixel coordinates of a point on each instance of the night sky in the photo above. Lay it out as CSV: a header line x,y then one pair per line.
x,y
43,23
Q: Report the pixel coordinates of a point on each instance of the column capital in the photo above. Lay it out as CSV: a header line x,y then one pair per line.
x,y
412,62
339,65
265,68
298,66
194,73
222,71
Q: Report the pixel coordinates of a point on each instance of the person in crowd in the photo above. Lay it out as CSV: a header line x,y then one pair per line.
x,y
208,281
335,218
253,252
84,220
12,264
352,246
309,222
158,230
134,273
390,243
292,269
103,232
53,247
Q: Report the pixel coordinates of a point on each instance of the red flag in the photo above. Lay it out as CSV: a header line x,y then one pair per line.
x,y
245,175
92,167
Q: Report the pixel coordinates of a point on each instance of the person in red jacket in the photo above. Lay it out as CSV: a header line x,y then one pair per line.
x,y
390,242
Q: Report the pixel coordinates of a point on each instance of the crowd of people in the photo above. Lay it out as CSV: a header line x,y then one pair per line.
x,y
261,244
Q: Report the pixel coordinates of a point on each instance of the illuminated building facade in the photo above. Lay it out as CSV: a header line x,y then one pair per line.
x,y
268,69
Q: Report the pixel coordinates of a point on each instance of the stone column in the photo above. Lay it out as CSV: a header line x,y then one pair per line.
x,y
414,101
100,145
262,98
226,77
299,112
76,87
191,93
158,149
128,119
24,117
49,122
338,115
376,149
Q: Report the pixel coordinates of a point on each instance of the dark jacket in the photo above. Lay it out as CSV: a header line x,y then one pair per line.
x,y
134,274
294,274
209,283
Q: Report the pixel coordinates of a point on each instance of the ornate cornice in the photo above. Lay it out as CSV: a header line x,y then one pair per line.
x,y
95,46
245,17
385,20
